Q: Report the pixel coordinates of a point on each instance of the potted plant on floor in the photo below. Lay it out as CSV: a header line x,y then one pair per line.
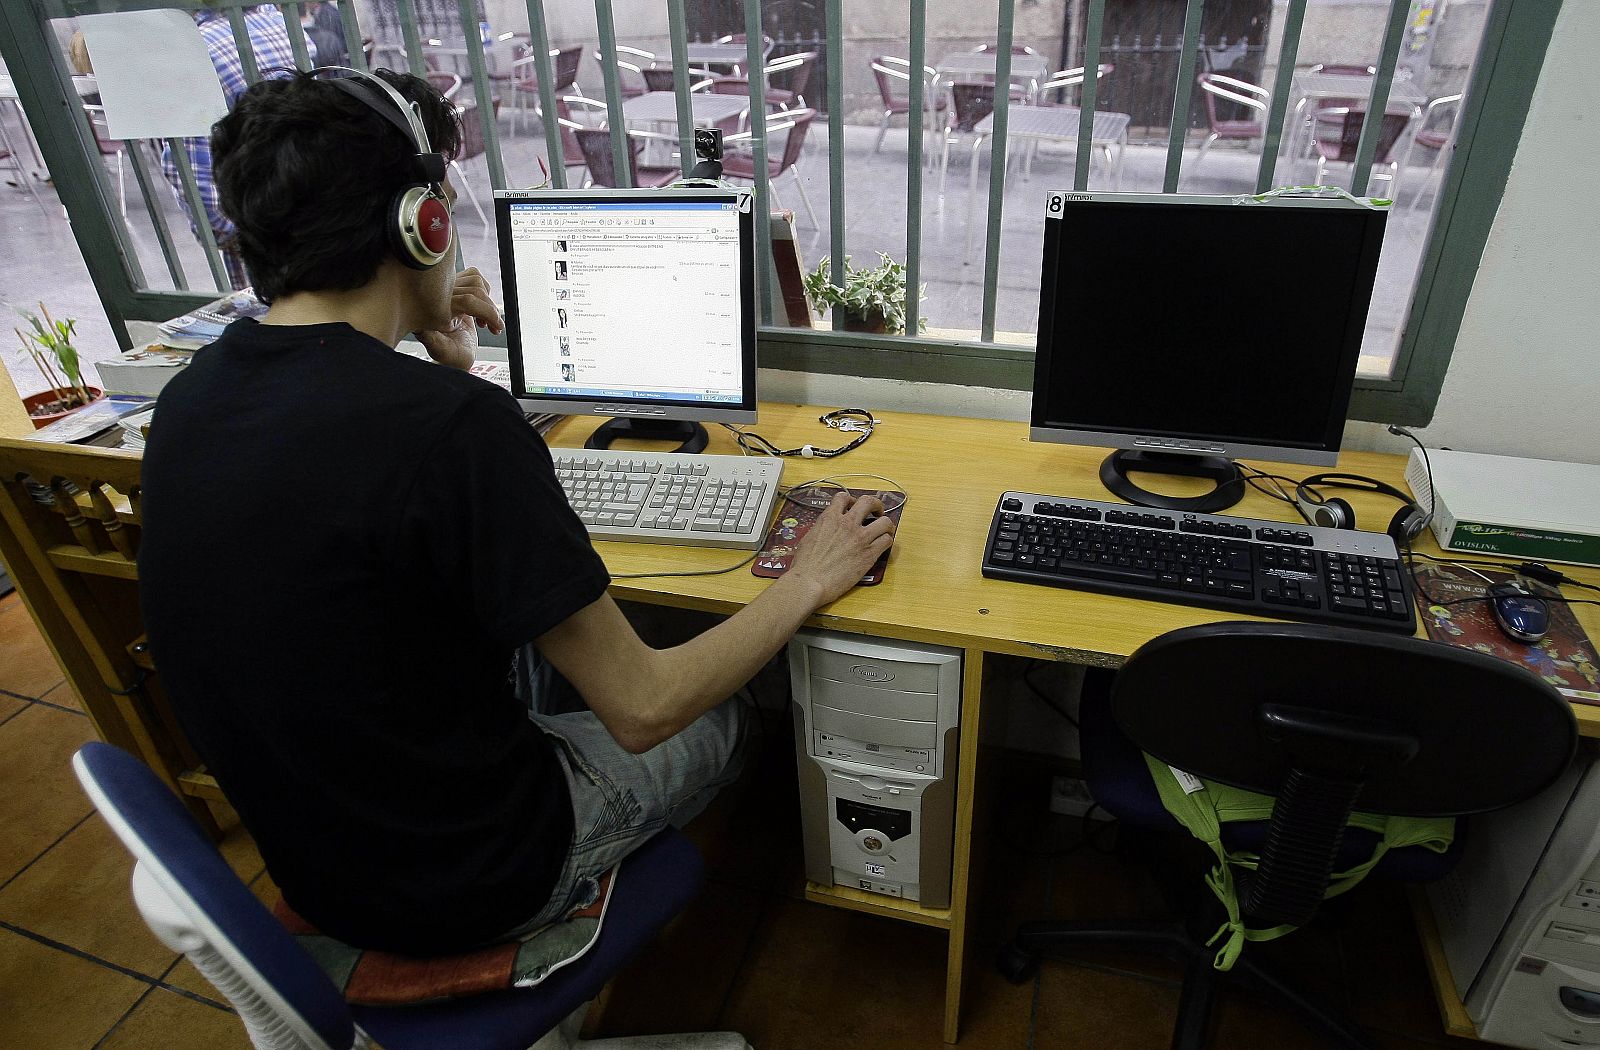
x,y
872,300
49,347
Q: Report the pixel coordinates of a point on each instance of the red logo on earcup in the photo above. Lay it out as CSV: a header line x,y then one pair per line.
x,y
433,225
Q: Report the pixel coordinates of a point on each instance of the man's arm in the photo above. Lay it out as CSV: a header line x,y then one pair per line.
x,y
643,695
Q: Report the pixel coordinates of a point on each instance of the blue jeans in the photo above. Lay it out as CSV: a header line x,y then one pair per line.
x,y
620,800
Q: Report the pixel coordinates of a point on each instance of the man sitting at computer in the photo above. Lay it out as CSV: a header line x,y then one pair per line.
x,y
344,545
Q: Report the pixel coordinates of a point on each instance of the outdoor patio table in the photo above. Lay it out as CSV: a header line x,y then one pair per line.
x,y
707,55
1035,124
967,66
1316,87
661,107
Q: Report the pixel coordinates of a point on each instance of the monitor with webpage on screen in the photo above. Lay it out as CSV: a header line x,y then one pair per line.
x,y
634,304
1187,331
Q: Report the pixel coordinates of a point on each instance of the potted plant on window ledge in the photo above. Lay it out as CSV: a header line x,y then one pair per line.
x,y
871,300
49,347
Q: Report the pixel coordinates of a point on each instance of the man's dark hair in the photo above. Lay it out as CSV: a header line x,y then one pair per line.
x,y
307,174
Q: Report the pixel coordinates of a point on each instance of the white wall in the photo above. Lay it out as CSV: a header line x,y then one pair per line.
x,y
1524,378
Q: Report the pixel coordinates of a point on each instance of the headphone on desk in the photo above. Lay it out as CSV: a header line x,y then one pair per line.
x,y
418,226
1331,512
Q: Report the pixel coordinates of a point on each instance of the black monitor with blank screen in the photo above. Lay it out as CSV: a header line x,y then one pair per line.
x,y
635,304
1188,331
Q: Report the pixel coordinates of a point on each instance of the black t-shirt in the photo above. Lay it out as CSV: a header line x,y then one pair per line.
x,y
342,548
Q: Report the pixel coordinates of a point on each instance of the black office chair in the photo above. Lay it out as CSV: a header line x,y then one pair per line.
x,y
1327,720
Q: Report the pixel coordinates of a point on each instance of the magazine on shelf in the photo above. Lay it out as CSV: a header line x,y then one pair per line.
x,y
201,327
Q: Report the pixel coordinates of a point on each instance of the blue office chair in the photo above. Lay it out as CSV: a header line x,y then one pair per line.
x,y
1326,720
195,904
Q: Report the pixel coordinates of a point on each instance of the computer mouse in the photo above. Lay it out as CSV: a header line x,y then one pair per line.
x,y
1522,616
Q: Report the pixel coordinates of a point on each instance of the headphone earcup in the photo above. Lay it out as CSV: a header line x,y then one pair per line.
x,y
419,228
1407,524
1340,514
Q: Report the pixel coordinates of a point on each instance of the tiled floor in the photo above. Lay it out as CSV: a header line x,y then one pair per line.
x,y
78,969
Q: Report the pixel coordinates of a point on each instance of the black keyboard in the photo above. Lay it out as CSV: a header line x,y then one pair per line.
x,y
1265,568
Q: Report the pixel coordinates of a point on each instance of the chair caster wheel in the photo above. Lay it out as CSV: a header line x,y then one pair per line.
x,y
1014,964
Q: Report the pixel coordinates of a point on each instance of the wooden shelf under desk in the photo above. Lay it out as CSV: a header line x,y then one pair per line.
x,y
878,904
1452,1012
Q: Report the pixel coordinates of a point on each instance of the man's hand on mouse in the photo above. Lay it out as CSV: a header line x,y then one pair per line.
x,y
842,545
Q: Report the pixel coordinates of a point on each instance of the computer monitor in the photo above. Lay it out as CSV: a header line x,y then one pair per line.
x,y
1185,331
635,304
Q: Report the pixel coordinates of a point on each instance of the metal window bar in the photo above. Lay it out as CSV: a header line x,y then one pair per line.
x,y
197,211
836,264
539,40
408,29
241,40
354,44
483,89
158,218
997,163
756,72
1513,47
1293,20
1189,51
1094,27
297,36
918,103
1378,105
621,145
677,30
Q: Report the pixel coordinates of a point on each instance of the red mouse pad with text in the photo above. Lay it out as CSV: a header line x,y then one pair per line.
x,y
797,511
1565,657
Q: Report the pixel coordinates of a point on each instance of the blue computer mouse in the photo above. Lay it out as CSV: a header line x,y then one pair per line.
x,y
1522,616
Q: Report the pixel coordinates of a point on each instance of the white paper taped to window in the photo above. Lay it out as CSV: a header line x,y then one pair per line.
x,y
155,75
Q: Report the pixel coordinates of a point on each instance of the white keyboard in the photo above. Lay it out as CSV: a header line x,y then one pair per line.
x,y
668,497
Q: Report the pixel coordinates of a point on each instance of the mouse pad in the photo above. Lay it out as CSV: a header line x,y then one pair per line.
x,y
1565,657
794,519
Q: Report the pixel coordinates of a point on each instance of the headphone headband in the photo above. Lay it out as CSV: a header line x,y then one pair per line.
x,y
429,166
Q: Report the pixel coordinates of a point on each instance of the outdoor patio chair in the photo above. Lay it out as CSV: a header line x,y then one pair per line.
x,y
969,104
565,62
1434,137
797,68
631,60
109,147
596,146
1062,79
740,38
472,145
1392,146
1256,101
739,165
520,46
525,78
887,70
571,111
446,84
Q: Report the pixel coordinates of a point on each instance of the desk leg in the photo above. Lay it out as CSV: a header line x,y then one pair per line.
x,y
972,679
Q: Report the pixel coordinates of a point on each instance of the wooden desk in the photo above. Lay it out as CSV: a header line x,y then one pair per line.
x,y
954,471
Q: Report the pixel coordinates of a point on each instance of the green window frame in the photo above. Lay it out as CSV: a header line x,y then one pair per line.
x,y
1489,127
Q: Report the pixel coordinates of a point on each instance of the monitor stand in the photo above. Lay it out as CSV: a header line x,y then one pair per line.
x,y
1115,469
692,435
